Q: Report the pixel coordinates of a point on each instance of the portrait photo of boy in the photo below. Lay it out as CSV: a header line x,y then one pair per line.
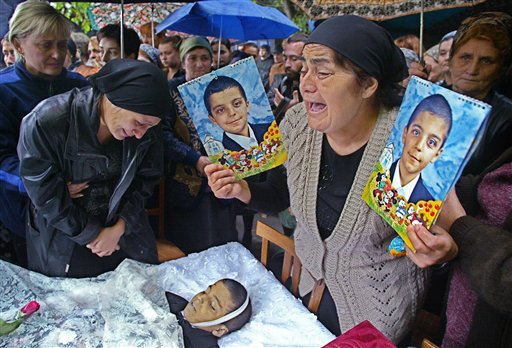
x,y
423,141
228,107
234,120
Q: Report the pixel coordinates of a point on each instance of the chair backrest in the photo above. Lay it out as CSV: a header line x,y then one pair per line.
x,y
291,263
428,344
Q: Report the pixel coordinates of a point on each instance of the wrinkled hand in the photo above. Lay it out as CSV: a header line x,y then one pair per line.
x,y
223,183
202,162
416,69
431,248
75,190
451,210
107,241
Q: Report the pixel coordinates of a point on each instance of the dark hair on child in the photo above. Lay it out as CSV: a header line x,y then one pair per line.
x,y
238,295
219,84
437,105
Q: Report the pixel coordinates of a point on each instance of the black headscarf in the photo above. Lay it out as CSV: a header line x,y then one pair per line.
x,y
365,44
134,85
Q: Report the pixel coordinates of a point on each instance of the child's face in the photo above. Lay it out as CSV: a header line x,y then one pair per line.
x,y
211,304
229,110
423,141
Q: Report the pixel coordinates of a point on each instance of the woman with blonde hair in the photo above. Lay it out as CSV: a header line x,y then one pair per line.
x,y
39,35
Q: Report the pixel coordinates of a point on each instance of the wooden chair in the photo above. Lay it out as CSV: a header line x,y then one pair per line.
x,y
291,263
425,329
166,250
427,344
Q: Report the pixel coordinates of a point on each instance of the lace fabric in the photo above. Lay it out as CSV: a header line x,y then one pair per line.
x,y
127,307
123,308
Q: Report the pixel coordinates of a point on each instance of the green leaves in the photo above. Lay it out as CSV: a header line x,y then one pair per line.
x,y
77,12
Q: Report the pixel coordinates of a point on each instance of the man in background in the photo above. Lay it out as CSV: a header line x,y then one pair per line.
x,y
264,62
284,92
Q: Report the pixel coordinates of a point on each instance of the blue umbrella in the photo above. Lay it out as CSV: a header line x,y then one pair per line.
x,y
234,19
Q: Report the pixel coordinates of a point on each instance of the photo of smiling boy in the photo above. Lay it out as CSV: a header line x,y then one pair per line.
x,y
423,139
228,107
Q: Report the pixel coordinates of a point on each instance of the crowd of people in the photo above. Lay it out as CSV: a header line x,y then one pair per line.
x,y
87,131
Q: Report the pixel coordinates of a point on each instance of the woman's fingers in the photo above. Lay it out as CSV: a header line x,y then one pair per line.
x,y
416,240
432,247
75,190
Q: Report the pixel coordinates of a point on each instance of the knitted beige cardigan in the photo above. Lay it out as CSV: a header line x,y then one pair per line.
x,y
363,279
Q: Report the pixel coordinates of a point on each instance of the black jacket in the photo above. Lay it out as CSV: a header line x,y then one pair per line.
x,y
193,338
497,136
58,144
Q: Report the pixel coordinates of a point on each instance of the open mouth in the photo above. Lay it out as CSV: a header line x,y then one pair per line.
x,y
316,107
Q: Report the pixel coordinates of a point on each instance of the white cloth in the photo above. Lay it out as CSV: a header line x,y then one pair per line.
x,y
278,318
405,191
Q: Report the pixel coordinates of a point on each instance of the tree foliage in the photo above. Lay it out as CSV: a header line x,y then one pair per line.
x,y
77,12
291,10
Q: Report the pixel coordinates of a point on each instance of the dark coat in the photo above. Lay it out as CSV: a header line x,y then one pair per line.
x,y
258,129
497,136
182,149
264,69
420,192
20,92
485,254
194,338
58,144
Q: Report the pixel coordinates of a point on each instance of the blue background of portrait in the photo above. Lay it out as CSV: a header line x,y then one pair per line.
x,y
246,73
467,116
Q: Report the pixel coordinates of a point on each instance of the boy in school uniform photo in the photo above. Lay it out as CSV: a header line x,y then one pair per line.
x,y
228,107
423,139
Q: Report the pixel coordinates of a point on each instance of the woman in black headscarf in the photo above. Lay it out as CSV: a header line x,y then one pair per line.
x,y
89,159
349,83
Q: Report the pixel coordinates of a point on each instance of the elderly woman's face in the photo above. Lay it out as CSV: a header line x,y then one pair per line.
x,y
332,96
475,67
197,63
44,54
